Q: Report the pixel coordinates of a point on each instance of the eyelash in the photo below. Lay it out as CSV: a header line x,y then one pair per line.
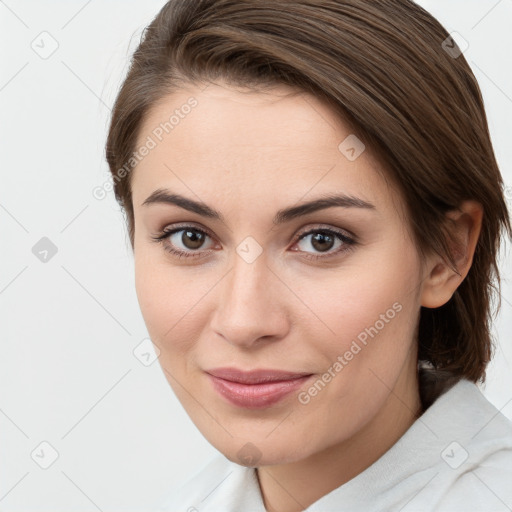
x,y
348,242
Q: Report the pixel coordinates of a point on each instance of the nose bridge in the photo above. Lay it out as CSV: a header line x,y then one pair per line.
x,y
247,279
248,309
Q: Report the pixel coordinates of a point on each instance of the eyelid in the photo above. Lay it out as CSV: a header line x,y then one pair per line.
x,y
173,227
183,225
347,238
328,227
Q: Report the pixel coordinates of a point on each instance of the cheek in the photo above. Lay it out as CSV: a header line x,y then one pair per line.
x,y
359,320
371,312
373,319
170,301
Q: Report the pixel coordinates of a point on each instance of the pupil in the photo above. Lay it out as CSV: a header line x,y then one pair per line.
x,y
194,241
320,239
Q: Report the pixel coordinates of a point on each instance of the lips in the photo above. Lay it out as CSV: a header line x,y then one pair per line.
x,y
256,388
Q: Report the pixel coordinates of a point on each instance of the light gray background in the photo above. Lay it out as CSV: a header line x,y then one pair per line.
x,y
69,326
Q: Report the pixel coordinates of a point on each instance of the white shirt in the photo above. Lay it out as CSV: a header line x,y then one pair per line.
x,y
457,456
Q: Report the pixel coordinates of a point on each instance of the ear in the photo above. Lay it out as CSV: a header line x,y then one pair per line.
x,y
441,281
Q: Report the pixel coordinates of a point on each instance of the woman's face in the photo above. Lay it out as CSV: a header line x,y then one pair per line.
x,y
328,294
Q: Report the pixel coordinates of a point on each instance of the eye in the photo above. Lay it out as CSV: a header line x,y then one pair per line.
x,y
188,242
324,240
183,241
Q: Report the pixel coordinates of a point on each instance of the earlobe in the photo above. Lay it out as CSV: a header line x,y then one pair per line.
x,y
442,280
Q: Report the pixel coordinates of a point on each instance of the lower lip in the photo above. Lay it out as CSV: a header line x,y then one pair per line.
x,y
256,396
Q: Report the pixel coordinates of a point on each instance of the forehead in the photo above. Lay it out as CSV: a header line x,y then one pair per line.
x,y
218,140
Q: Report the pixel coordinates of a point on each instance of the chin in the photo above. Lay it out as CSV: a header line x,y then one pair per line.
x,y
262,453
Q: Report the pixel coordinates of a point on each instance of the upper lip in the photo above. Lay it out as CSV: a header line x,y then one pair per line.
x,y
254,376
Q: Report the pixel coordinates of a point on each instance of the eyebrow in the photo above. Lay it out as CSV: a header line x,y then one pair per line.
x,y
164,196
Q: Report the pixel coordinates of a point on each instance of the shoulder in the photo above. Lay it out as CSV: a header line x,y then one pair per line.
x,y
186,496
219,485
478,460
483,488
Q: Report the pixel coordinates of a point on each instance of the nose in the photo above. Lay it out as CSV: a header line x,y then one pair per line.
x,y
251,305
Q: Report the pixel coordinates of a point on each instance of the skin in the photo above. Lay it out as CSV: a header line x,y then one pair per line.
x,y
249,154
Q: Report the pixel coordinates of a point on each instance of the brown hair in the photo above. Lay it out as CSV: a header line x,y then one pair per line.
x,y
385,68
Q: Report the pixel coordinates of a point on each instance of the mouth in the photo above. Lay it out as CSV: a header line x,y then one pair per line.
x,y
255,389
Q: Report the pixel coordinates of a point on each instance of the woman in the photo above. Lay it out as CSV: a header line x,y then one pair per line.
x,y
248,134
